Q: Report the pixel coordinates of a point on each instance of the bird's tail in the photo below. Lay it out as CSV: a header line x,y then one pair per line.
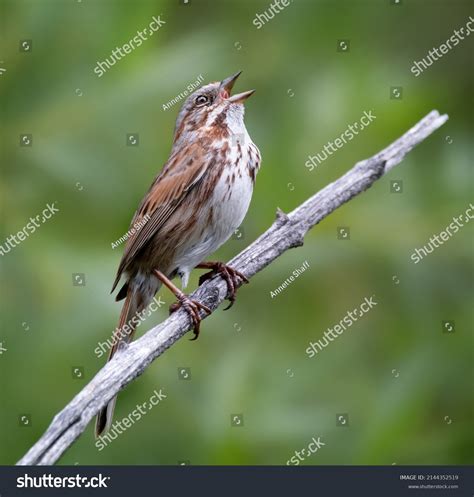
x,y
132,305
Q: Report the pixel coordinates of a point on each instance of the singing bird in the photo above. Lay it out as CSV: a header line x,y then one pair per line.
x,y
193,206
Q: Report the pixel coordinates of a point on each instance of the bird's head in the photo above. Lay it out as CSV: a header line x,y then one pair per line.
x,y
211,107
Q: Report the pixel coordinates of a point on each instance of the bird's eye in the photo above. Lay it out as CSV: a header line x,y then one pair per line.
x,y
202,100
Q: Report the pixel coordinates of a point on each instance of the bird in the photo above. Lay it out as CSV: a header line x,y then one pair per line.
x,y
192,207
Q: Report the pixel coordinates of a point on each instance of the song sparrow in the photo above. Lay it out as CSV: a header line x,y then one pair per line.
x,y
193,206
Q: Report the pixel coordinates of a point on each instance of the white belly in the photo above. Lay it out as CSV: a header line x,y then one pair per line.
x,y
229,207
231,204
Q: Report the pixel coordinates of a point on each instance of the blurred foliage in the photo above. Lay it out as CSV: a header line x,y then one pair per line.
x,y
307,94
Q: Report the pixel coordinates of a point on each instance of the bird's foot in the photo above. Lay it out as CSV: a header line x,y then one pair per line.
x,y
230,275
192,307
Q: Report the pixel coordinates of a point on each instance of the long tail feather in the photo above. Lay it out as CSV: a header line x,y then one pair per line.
x,y
129,309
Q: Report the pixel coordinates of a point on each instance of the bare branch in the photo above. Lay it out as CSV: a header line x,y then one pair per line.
x,y
286,232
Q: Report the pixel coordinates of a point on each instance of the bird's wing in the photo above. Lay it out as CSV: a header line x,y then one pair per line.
x,y
180,174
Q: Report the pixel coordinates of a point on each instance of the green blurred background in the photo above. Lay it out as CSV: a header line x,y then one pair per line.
x,y
406,385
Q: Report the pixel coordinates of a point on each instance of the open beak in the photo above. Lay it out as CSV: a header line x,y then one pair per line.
x,y
226,88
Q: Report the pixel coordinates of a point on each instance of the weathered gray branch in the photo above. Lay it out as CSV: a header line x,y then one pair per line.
x,y
286,232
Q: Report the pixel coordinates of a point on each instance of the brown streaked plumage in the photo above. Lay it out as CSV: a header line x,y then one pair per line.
x,y
193,206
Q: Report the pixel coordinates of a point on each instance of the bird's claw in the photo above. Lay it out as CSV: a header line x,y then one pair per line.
x,y
231,277
193,308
